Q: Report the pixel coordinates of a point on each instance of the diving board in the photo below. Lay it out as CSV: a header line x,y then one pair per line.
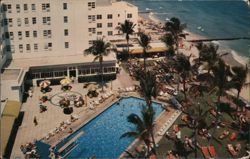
x,y
70,142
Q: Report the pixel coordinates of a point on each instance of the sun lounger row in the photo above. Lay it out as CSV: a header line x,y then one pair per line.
x,y
127,89
169,123
208,152
63,126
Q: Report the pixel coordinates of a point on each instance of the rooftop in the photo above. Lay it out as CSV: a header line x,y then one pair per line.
x,y
26,63
10,74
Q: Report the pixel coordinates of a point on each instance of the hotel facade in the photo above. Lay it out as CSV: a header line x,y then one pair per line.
x,y
45,39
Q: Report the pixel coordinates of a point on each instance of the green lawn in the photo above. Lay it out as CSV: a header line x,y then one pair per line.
x,y
220,145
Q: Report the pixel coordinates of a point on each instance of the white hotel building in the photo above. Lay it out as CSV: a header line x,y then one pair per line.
x,y
46,38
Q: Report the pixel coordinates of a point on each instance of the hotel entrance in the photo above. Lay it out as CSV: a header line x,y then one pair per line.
x,y
72,72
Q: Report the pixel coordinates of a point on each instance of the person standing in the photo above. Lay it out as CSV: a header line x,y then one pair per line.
x,y
35,121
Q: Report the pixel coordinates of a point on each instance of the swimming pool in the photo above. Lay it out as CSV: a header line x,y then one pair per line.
x,y
101,137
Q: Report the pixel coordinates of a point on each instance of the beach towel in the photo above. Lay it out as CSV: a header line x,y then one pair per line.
x,y
212,151
205,152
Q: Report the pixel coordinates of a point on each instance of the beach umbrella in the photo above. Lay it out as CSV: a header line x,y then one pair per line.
x,y
44,83
92,87
65,81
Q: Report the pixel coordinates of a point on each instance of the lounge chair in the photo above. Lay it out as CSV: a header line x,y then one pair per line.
x,y
225,134
205,152
233,136
231,150
212,151
161,93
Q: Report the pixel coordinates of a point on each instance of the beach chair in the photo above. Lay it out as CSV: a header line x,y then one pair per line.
x,y
231,150
212,151
205,152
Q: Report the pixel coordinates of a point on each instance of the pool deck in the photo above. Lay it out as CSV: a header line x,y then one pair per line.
x,y
50,119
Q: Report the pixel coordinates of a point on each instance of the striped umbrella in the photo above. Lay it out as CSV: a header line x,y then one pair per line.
x,y
44,83
65,81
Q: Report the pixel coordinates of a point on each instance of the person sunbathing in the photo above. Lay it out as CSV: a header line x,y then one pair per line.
x,y
225,134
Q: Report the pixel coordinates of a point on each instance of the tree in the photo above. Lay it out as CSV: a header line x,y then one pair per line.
x,y
183,66
169,41
144,41
198,116
221,73
99,49
175,27
239,79
209,53
144,125
127,28
148,86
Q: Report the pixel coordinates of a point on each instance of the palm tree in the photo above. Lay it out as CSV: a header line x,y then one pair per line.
x,y
144,41
239,79
221,73
175,27
183,66
144,125
148,86
127,28
169,41
198,116
99,49
209,53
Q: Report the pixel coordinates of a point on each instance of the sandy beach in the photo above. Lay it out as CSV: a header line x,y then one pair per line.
x,y
230,59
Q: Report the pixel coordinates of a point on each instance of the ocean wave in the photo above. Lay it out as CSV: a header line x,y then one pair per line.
x,y
164,13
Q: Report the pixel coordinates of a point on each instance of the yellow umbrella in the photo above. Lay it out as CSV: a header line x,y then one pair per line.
x,y
92,87
65,81
44,83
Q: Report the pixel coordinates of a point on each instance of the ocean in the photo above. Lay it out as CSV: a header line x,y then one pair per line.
x,y
208,18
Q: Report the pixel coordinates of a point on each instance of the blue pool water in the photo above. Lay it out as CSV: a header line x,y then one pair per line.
x,y
101,136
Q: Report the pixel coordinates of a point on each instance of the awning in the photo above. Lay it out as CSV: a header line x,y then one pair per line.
x,y
6,128
151,50
12,108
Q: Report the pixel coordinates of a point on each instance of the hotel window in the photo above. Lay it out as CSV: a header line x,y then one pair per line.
x,y
11,36
99,25
8,48
28,47
66,32
18,9
91,18
45,7
5,21
118,15
34,33
99,33
66,45
19,35
92,30
91,5
49,45
46,20
7,35
129,15
35,47
10,22
25,7
33,20
12,48
19,22
47,33
65,19
110,25
9,8
27,34
65,6
110,16
110,33
33,7
20,48
26,21
99,16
